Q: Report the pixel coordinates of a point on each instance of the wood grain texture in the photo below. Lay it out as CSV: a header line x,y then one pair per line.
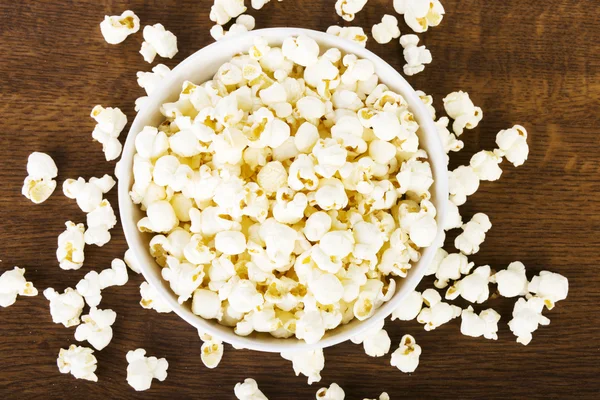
x,y
523,61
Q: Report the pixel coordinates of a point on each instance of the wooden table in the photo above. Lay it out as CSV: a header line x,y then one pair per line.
x,y
531,62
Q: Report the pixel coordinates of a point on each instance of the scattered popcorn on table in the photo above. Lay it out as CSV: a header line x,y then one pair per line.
x,y
308,363
409,307
248,390
93,283
527,316
211,351
141,369
453,218
130,261
151,299
71,244
39,183
406,357
375,341
99,222
347,9
460,108
244,23
116,28
386,30
512,281
13,283
382,396
79,362
485,324
486,165
415,56
96,328
158,40
222,11
473,234
550,287
88,194
462,182
474,287
437,312
65,308
512,144
451,268
333,392
110,122
149,81
449,140
353,33
419,15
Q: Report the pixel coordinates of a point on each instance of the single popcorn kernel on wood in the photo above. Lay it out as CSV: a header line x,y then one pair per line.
x,y
78,361
406,357
116,28
39,183
141,369
284,196
13,283
248,390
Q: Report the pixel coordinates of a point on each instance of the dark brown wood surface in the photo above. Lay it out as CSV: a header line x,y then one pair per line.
x,y
531,62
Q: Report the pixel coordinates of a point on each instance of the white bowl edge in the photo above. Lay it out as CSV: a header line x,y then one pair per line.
x,y
200,67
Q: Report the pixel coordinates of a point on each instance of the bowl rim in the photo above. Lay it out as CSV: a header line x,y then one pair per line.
x,y
124,171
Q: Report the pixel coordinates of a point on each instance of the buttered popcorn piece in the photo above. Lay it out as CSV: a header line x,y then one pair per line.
x,y
527,316
473,288
308,363
355,34
512,281
248,390
550,287
99,222
211,353
39,183
151,299
386,30
93,283
451,268
222,11
449,140
244,23
375,341
96,328
13,283
437,312
88,195
485,324
110,122
116,28
78,361
333,392
462,182
486,165
512,144
158,40
473,234
406,357
141,369
149,81
419,15
460,108
409,308
415,56
347,9
71,244
65,308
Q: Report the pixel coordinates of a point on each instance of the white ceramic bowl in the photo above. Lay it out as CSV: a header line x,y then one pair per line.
x,y
200,67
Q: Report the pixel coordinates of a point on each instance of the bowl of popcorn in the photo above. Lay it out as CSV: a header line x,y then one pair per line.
x,y
283,190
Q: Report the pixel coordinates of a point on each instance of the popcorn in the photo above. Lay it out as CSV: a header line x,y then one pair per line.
x,y
78,361
473,287
302,50
527,315
419,15
485,324
149,81
437,312
206,304
96,328
409,308
414,56
243,23
434,266
308,363
93,283
406,357
485,164
512,281
512,144
382,396
449,140
230,242
550,287
158,40
161,218
71,244
116,28
376,340
184,278
211,353
272,177
450,268
99,222
151,299
110,122
473,234
13,283
355,34
460,108
386,30
348,8
223,11
88,194
39,183
65,308
141,369
462,182
248,390
333,392
453,218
